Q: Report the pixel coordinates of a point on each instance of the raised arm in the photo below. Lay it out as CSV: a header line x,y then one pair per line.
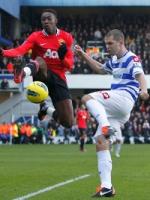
x,y
94,65
22,49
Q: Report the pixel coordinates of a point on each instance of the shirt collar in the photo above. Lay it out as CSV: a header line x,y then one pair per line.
x,y
46,34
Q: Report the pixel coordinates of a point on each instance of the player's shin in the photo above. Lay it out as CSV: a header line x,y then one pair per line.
x,y
117,148
104,168
31,68
104,162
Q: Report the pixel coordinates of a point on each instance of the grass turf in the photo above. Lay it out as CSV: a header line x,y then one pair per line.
x,y
28,168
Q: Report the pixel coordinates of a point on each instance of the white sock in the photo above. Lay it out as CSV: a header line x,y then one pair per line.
x,y
104,168
117,148
27,71
98,112
50,111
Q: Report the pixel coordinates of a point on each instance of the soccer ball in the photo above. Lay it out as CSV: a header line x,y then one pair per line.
x,y
37,92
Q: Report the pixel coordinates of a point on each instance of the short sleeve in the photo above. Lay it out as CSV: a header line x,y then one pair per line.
x,y
107,66
137,66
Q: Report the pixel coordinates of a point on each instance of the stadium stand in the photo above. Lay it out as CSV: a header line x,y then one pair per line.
x,y
93,28
89,30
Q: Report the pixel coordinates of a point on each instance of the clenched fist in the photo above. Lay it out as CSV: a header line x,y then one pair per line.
x,y
78,50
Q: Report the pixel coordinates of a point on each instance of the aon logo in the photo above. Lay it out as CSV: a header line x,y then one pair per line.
x,y
51,54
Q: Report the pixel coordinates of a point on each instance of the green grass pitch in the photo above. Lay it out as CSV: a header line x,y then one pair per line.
x,y
28,168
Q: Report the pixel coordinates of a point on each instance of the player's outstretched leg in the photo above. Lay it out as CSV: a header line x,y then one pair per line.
x,y
20,71
99,113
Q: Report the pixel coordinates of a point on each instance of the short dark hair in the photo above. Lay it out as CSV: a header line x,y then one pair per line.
x,y
116,33
50,11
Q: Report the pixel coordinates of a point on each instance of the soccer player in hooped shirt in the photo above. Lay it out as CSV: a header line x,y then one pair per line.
x,y
52,56
112,108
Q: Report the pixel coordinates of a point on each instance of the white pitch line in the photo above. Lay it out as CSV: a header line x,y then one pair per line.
x,y
52,187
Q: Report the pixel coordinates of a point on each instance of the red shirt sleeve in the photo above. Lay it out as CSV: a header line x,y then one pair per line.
x,y
22,49
68,61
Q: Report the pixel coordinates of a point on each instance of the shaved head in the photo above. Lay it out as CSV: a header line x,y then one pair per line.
x,y
50,11
116,34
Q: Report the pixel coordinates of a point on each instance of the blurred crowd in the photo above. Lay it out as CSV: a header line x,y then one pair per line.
x,y
18,133
138,127
93,28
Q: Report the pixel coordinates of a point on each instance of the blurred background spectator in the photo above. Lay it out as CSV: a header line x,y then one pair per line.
x,y
4,84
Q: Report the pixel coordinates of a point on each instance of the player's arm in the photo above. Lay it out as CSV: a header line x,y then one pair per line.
x,y
94,65
138,74
143,86
66,54
22,49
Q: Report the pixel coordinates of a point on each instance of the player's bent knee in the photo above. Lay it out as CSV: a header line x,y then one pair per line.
x,y
42,72
85,98
41,61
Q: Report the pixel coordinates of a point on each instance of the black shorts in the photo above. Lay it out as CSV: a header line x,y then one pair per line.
x,y
58,89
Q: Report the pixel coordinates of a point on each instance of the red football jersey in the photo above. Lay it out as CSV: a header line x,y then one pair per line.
x,y
46,46
82,117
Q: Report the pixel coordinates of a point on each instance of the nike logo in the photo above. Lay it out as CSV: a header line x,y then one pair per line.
x,y
43,44
103,193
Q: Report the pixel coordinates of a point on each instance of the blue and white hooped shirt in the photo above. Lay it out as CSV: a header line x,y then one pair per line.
x,y
124,70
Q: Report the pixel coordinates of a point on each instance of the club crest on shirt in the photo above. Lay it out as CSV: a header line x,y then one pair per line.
x,y
61,41
137,62
136,59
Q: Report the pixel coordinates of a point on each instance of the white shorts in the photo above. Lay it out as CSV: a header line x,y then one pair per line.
x,y
118,105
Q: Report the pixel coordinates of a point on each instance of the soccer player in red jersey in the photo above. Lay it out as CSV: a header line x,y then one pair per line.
x,y
52,56
82,117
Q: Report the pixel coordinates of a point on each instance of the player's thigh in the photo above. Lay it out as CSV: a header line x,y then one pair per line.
x,y
106,98
61,98
116,106
41,75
